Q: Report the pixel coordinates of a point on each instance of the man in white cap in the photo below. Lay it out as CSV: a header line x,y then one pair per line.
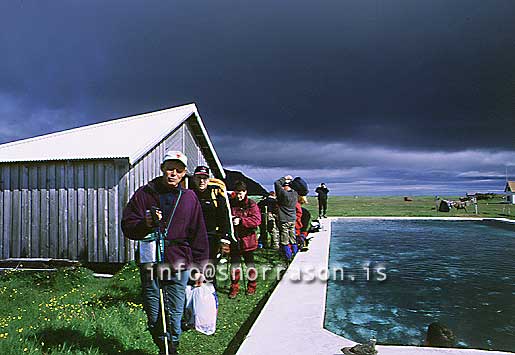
x,y
163,205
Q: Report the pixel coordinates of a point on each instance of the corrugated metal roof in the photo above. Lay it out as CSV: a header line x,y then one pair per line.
x,y
129,137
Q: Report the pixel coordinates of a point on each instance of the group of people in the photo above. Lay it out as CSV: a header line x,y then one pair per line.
x,y
285,220
196,226
288,218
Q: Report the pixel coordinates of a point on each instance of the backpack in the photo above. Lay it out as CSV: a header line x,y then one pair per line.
x,y
218,188
305,220
300,185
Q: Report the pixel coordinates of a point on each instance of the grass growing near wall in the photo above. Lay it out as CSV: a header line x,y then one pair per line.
x,y
72,312
421,206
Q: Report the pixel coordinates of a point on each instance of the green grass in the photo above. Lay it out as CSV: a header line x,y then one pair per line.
x,y
421,206
72,312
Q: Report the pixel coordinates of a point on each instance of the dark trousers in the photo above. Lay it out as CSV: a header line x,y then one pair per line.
x,y
250,275
214,248
237,255
322,206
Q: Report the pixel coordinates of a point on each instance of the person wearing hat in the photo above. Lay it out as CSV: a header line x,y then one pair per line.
x,y
287,201
216,216
269,211
246,218
178,215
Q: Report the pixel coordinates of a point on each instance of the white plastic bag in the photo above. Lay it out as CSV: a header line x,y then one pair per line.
x,y
204,302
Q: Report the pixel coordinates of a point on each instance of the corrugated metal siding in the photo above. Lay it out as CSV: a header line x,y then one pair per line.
x,y
146,169
191,149
63,210
72,209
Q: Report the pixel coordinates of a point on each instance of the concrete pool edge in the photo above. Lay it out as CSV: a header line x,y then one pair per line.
x,y
292,321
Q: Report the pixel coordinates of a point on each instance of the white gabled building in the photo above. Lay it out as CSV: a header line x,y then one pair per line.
x,y
510,191
62,194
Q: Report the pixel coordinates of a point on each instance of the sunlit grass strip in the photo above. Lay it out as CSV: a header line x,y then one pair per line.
x,y
71,312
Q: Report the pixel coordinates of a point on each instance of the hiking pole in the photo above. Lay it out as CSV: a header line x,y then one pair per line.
x,y
160,251
160,260
163,317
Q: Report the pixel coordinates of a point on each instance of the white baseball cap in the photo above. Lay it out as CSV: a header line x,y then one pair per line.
x,y
176,155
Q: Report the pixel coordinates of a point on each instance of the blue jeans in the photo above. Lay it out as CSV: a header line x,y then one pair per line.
x,y
174,293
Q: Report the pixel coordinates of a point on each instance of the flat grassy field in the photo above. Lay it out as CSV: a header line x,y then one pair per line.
x,y
72,312
421,206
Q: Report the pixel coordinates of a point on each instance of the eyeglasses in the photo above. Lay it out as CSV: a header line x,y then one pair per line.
x,y
178,170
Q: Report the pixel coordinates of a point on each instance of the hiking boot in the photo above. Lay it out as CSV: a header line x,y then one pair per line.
x,y
171,351
252,284
286,251
235,283
185,326
172,348
234,292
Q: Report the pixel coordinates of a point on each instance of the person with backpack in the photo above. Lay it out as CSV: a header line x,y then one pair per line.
x,y
269,211
246,219
287,201
211,196
322,192
164,208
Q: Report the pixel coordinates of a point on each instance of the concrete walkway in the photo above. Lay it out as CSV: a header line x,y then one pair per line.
x,y
292,320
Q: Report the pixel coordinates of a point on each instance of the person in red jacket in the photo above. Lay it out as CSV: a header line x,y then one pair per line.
x,y
246,219
300,232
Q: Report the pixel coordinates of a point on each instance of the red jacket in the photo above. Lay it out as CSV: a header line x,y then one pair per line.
x,y
298,220
248,211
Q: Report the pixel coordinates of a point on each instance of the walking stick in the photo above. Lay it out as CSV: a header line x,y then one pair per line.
x,y
163,316
160,259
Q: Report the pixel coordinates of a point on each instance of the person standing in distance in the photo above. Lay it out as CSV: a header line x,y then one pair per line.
x,y
322,192
179,217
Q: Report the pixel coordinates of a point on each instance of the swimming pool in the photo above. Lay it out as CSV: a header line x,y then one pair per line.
x,y
461,273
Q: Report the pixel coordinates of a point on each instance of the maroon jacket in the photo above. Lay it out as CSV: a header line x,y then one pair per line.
x,y
248,211
187,237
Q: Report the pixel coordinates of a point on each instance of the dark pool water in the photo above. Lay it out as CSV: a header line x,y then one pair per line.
x,y
459,273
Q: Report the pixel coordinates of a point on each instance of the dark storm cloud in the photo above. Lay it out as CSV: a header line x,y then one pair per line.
x,y
392,96
290,154
431,74
366,169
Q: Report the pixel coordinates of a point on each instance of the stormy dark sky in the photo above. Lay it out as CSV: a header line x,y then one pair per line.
x,y
372,97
